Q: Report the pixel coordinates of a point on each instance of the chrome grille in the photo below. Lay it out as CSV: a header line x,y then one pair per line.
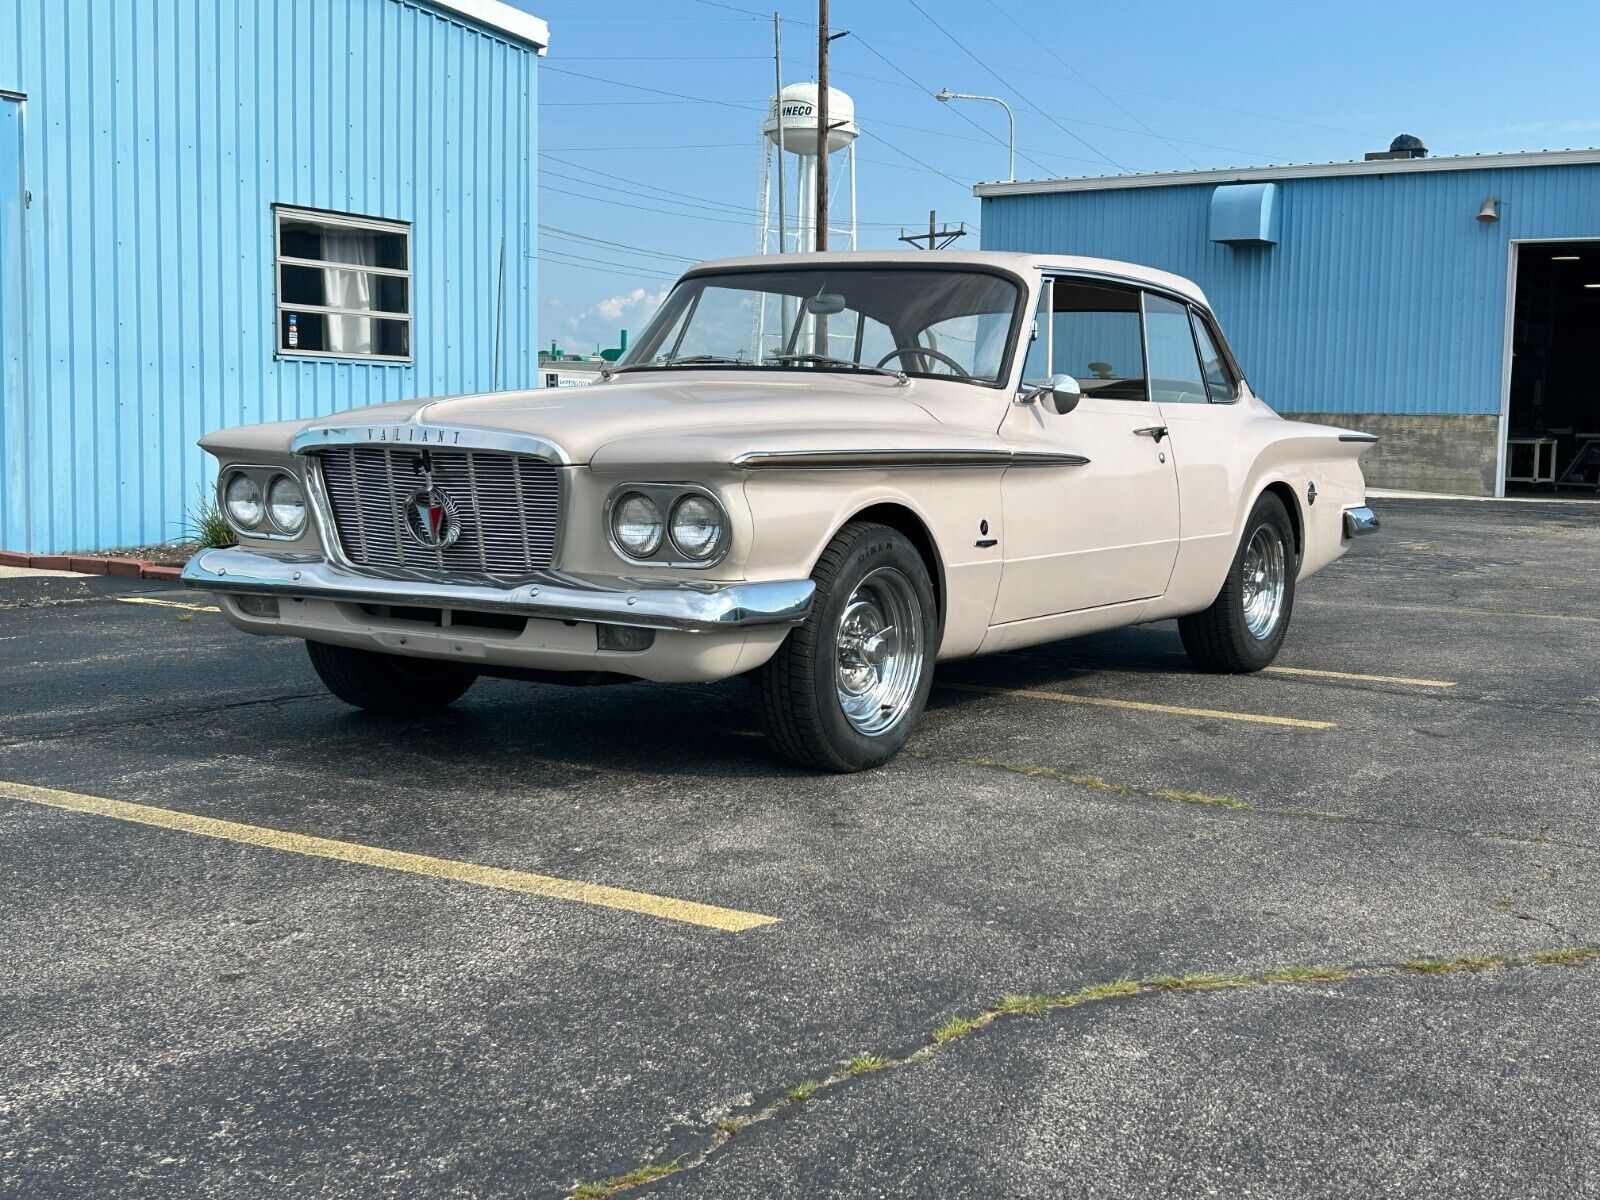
x,y
508,506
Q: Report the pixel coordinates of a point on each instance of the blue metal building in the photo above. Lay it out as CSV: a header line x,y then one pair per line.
x,y
218,213
1446,304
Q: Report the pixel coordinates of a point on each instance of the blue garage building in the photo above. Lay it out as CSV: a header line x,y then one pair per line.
x,y
1450,305
222,213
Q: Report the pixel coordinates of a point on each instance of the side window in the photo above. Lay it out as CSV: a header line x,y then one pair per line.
x,y
1174,366
1219,379
1094,336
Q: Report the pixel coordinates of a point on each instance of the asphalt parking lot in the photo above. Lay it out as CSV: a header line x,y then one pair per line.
x,y
554,940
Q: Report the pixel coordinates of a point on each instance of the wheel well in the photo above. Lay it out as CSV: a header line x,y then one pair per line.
x,y
907,523
1292,503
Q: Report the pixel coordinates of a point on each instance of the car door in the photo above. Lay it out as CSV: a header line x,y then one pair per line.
x,y
1105,532
1191,377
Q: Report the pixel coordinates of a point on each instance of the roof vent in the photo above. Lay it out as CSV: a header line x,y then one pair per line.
x,y
1405,146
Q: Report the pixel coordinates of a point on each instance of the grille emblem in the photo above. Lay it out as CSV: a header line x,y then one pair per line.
x,y
432,520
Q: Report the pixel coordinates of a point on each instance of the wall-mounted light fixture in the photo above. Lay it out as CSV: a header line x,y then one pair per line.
x,y
1490,212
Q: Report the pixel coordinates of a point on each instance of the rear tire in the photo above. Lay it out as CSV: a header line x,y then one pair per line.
x,y
1245,625
848,685
389,683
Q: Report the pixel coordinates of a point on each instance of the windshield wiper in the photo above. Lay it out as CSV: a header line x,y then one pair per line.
x,y
828,360
693,360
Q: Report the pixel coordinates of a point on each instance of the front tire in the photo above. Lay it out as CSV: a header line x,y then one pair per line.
x,y
388,683
848,685
1245,626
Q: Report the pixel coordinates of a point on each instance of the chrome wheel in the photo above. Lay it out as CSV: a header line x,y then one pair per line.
x,y
879,651
1265,581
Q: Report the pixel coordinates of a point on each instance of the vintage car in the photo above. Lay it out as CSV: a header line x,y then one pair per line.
x,y
824,472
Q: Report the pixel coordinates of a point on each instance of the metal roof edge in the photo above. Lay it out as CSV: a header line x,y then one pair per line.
x,y
1393,166
501,17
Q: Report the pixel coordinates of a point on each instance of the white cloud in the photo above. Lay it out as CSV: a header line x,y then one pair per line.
x,y
601,321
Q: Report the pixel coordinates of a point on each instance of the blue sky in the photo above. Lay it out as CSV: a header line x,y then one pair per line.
x,y
650,110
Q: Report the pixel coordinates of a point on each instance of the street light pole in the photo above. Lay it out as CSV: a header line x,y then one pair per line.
x,y
945,95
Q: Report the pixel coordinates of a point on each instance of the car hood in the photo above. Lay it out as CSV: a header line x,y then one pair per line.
x,y
626,422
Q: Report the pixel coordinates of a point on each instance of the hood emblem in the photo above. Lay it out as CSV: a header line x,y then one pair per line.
x,y
432,520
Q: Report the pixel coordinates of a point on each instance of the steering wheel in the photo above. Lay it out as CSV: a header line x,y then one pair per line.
x,y
903,351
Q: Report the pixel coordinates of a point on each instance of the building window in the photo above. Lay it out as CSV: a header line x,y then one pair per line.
x,y
344,286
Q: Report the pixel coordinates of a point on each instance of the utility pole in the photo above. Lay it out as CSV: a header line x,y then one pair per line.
x,y
822,124
777,108
936,237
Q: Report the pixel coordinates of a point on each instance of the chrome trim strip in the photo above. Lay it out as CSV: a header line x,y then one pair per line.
x,y
414,433
687,605
1358,437
839,460
1358,521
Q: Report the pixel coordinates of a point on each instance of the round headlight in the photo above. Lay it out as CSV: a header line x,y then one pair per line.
x,y
636,524
696,527
242,499
286,505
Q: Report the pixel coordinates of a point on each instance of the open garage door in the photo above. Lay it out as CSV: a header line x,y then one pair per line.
x,y
1553,410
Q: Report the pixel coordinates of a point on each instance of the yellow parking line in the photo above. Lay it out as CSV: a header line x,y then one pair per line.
x,y
1433,683
1142,706
708,915
168,603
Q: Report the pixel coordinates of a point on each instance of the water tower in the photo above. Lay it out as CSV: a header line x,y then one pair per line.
x,y
791,128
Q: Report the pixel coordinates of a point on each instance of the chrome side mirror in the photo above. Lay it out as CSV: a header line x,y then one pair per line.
x,y
1060,394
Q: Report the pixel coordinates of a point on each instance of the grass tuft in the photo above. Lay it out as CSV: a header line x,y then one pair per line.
x,y
1444,966
952,1029
1026,1006
208,526
1105,991
865,1064
1567,957
648,1173
1202,798
1306,975
1199,982
732,1125
801,1092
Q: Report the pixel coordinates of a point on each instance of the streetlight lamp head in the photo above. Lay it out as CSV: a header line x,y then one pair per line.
x,y
945,94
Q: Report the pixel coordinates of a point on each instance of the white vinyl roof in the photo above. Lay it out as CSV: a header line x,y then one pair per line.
x,y
496,15
1387,166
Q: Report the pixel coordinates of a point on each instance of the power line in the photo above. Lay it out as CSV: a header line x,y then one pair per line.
x,y
1027,33
610,269
927,91
573,235
1026,101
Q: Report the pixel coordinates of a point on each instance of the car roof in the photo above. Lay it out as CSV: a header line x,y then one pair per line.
x,y
1021,264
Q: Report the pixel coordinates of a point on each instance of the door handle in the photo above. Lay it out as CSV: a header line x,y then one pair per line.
x,y
1152,431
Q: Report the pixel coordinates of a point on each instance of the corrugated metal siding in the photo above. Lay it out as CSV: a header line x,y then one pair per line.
x,y
158,136
1384,294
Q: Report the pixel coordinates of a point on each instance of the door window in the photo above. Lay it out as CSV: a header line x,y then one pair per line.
x,y
1220,382
1175,376
1094,337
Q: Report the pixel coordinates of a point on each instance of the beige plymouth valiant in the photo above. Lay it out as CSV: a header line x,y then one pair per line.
x,y
823,472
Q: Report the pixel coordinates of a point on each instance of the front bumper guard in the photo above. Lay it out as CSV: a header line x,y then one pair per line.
x,y
1358,521
691,606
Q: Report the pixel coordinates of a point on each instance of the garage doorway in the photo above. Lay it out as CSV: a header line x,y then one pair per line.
x,y
1552,424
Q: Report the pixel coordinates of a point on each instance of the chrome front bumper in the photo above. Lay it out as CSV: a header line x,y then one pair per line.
x,y
688,605
1358,521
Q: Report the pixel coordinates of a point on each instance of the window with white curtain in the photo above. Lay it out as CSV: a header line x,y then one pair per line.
x,y
344,286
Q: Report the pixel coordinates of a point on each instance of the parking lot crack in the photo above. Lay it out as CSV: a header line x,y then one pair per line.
x,y
792,1099
1245,807
88,728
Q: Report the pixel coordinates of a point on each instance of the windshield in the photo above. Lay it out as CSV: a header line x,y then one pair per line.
x,y
938,323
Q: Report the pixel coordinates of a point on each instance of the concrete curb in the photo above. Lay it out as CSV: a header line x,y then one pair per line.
x,y
132,568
